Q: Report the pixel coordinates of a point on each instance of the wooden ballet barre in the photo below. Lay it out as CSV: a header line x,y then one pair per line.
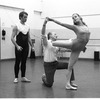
x,y
93,45
97,14
64,50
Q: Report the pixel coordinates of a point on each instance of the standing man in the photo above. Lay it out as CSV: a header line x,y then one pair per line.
x,y
51,63
22,33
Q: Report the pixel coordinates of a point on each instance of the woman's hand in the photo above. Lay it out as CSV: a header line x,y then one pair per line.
x,y
49,19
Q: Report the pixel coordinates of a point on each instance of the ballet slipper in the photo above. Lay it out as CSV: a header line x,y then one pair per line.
x,y
16,80
24,79
73,84
69,87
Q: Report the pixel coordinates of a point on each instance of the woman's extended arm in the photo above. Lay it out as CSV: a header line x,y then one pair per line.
x,y
72,27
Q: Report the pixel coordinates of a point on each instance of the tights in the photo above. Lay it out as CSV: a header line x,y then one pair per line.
x,y
21,56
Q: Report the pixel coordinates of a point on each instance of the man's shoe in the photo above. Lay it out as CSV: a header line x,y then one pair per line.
x,y
24,79
84,49
16,80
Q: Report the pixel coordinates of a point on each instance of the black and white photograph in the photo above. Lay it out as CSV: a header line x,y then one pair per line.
x,y
49,49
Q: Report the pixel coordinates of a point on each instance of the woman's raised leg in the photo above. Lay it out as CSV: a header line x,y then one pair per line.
x,y
63,43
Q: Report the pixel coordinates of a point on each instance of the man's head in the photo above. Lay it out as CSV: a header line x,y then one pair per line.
x,y
52,36
23,16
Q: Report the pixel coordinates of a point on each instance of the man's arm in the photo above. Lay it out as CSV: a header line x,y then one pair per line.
x,y
14,33
44,38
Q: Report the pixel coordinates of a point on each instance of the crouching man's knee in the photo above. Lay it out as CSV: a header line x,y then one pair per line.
x,y
45,82
49,84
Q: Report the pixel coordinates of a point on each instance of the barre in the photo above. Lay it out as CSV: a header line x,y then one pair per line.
x,y
71,16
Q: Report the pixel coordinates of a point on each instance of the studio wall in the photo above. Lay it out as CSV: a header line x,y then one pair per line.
x,y
63,10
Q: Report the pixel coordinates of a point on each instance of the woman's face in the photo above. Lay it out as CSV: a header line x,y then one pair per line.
x,y
76,18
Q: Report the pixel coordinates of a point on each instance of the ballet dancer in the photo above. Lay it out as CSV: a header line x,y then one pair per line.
x,y
51,63
22,33
76,45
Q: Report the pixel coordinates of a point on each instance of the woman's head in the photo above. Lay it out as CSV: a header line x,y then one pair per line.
x,y
23,16
77,19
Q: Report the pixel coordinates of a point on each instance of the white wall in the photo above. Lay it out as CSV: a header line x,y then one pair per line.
x,y
55,8
28,5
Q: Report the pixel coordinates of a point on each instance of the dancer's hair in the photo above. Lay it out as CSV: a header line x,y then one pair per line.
x,y
22,13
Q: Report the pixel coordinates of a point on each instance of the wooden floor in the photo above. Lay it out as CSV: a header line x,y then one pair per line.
x,y
87,73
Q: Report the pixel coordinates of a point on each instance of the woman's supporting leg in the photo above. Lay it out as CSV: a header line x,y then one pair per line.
x,y
73,58
64,65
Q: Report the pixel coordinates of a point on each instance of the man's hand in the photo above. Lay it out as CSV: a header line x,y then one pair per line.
x,y
32,49
19,48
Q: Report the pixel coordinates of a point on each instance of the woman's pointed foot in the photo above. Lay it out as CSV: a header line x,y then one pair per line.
x,y
69,87
73,84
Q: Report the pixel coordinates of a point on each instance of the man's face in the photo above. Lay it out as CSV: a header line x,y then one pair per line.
x,y
24,18
53,36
